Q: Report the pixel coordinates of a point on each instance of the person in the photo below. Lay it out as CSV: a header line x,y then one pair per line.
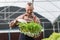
x,y
28,16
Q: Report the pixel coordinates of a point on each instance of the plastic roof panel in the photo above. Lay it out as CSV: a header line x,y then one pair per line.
x,y
50,9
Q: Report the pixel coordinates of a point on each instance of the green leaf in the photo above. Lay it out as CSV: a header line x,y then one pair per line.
x,y
32,27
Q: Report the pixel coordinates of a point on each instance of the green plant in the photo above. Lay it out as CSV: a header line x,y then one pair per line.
x,y
31,29
54,36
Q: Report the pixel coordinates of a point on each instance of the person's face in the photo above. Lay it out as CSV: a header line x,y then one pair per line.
x,y
29,9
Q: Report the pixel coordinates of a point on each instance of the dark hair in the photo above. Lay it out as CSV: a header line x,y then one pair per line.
x,y
29,4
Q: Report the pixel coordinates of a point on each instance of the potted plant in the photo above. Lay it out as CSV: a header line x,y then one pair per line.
x,y
30,29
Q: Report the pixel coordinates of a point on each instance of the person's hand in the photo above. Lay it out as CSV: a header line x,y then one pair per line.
x,y
13,23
